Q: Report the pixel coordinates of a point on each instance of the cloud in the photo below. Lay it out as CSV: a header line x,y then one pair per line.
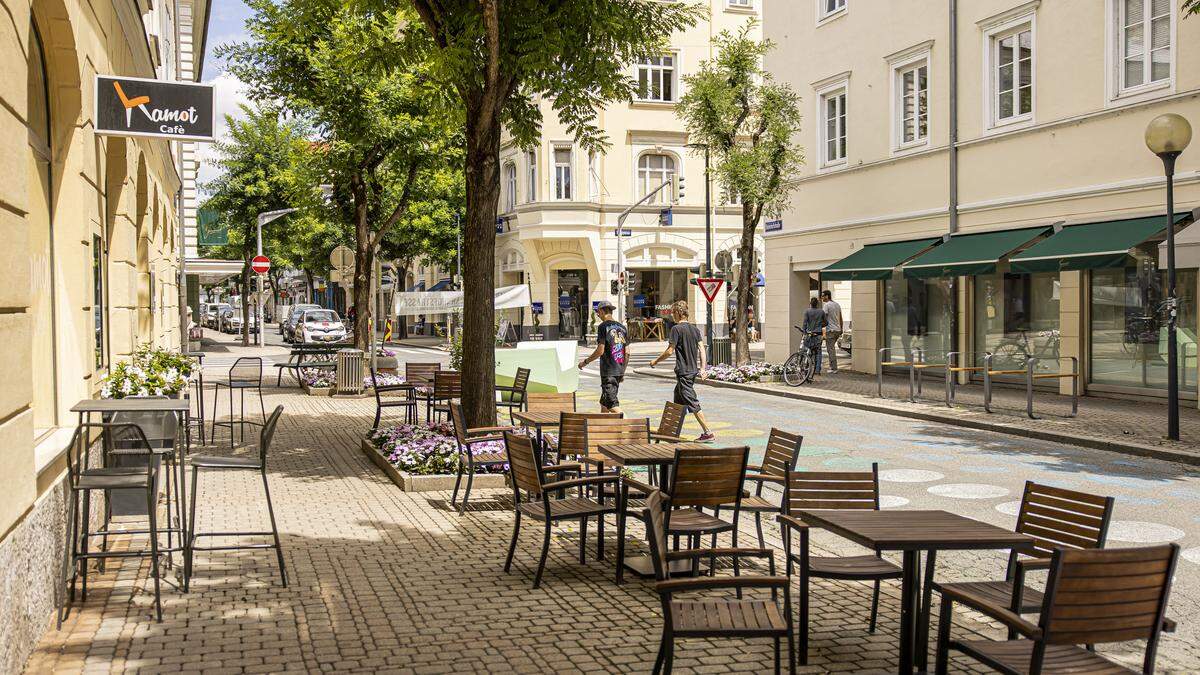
x,y
229,94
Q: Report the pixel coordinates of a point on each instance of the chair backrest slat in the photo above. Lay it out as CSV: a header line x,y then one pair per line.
x,y
1099,596
656,533
840,490
572,431
523,464
447,384
612,430
708,476
418,372
1061,518
550,401
783,449
671,422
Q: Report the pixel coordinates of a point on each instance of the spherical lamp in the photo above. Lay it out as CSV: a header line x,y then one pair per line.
x,y
1169,133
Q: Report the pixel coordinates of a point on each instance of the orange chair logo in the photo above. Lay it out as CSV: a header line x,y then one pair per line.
x,y
131,103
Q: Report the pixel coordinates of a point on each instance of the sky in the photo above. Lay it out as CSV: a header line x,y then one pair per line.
x,y
227,23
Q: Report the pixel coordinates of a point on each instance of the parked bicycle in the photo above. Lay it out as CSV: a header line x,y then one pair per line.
x,y
802,365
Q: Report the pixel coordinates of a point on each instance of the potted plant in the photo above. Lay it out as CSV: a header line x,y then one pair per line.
x,y
151,372
318,381
424,457
386,361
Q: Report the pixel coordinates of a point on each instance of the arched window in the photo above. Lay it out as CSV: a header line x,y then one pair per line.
x,y
510,183
653,171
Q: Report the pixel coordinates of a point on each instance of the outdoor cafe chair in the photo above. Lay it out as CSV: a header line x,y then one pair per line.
x,y
447,388
244,374
783,450
1093,596
670,425
858,490
82,480
700,478
516,393
529,477
468,458
571,440
706,616
255,461
550,401
1056,518
382,401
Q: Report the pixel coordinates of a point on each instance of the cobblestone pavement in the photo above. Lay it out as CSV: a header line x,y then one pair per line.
x,y
387,581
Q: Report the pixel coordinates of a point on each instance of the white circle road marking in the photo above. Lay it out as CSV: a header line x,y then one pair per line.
x,y
909,476
968,491
1141,532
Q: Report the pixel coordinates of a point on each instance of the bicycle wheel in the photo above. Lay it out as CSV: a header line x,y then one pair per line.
x,y
791,370
808,366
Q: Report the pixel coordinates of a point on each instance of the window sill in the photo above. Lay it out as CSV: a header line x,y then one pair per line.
x,y
1142,94
833,166
831,17
50,448
1008,125
653,105
910,148
733,9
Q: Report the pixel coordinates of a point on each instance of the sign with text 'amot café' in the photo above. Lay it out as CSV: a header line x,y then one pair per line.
x,y
133,106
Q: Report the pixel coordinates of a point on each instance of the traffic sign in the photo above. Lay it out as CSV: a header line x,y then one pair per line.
x,y
261,264
342,259
710,287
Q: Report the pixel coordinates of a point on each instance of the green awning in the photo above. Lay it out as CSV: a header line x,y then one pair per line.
x,y
970,254
1090,246
875,261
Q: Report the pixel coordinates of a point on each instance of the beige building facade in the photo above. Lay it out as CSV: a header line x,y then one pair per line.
x,y
559,204
1049,109
89,266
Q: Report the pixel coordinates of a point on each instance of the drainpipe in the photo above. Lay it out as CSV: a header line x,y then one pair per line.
x,y
953,116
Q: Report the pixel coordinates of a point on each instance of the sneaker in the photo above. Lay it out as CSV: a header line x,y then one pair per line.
x,y
706,437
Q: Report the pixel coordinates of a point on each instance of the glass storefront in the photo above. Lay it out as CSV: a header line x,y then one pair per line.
x,y
920,314
1017,317
649,299
573,306
1129,333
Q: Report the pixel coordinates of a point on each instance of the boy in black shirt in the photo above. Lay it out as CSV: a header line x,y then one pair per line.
x,y
611,342
687,345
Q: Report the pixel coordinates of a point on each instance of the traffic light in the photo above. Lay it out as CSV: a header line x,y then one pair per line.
x,y
700,272
678,188
615,288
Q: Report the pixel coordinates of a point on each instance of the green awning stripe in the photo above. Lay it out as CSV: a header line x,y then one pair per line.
x,y
875,261
1091,245
971,253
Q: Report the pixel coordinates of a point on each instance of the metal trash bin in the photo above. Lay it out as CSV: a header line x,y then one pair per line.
x,y
349,371
722,351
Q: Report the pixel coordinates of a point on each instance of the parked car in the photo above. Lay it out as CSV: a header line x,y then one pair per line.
x,y
231,321
320,325
213,312
287,327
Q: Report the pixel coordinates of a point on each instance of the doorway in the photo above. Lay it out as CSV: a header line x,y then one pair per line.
x,y
572,304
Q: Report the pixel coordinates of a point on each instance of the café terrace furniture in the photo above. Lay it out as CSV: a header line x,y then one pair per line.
x,y
1097,596
909,532
420,375
702,477
546,405
1056,518
306,356
197,384
708,617
124,448
83,478
571,441
447,388
529,477
468,458
382,401
611,430
843,490
780,456
255,461
516,393
244,374
538,421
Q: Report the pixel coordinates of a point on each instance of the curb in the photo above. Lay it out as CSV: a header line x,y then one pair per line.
x,y
838,399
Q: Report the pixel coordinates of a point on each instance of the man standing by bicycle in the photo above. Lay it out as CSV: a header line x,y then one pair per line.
x,y
815,325
687,345
833,329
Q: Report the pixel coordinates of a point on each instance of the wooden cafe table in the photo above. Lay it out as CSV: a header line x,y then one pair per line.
x,y
911,532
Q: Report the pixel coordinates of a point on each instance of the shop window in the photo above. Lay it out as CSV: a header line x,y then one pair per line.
x,y
99,310
1017,317
920,314
652,292
1129,329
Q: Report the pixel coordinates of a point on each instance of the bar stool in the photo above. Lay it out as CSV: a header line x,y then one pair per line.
x,y
245,373
197,386
83,479
226,463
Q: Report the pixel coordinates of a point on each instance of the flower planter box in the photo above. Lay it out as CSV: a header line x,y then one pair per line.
x,y
387,364
318,391
413,483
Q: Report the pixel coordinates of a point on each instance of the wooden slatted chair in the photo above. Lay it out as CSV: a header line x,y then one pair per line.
x,y
1056,518
571,441
1092,597
610,430
831,490
384,399
516,392
670,425
420,375
702,478
468,458
542,401
528,476
781,455
447,388
714,617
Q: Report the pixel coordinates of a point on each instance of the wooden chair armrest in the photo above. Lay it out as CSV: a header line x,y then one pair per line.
x,y
1001,614
754,467
561,468
574,482
484,438
791,521
655,436
507,387
720,553
490,430
393,387
681,585
639,486
1027,564
764,478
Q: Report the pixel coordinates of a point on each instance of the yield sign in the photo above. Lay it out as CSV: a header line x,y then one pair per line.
x,y
710,287
261,264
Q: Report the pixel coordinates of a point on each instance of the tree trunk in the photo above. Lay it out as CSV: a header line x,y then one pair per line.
x,y
479,255
364,265
741,339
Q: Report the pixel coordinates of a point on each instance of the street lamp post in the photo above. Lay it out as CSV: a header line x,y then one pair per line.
x,y
1167,136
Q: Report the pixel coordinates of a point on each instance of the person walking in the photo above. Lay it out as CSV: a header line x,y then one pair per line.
x,y
815,323
611,342
833,329
690,361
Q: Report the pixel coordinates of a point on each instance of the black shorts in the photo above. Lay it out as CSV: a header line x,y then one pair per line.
x,y
608,391
685,392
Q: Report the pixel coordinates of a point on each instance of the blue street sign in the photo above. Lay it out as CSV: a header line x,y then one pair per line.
x,y
536,308
774,226
639,301
625,232
499,226
760,281
564,302
595,304
666,217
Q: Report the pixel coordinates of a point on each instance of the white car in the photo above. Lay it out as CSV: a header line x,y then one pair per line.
x,y
320,325
233,322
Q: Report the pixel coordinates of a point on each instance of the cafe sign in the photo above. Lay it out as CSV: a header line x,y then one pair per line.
x,y
134,106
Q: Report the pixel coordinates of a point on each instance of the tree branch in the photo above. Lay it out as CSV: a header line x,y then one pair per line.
x,y
401,208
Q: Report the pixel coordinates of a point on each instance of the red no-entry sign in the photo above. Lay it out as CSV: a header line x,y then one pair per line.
x,y
261,264
710,287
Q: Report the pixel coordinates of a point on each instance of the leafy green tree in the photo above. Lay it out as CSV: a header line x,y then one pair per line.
x,y
386,139
748,122
260,171
1191,7
500,57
